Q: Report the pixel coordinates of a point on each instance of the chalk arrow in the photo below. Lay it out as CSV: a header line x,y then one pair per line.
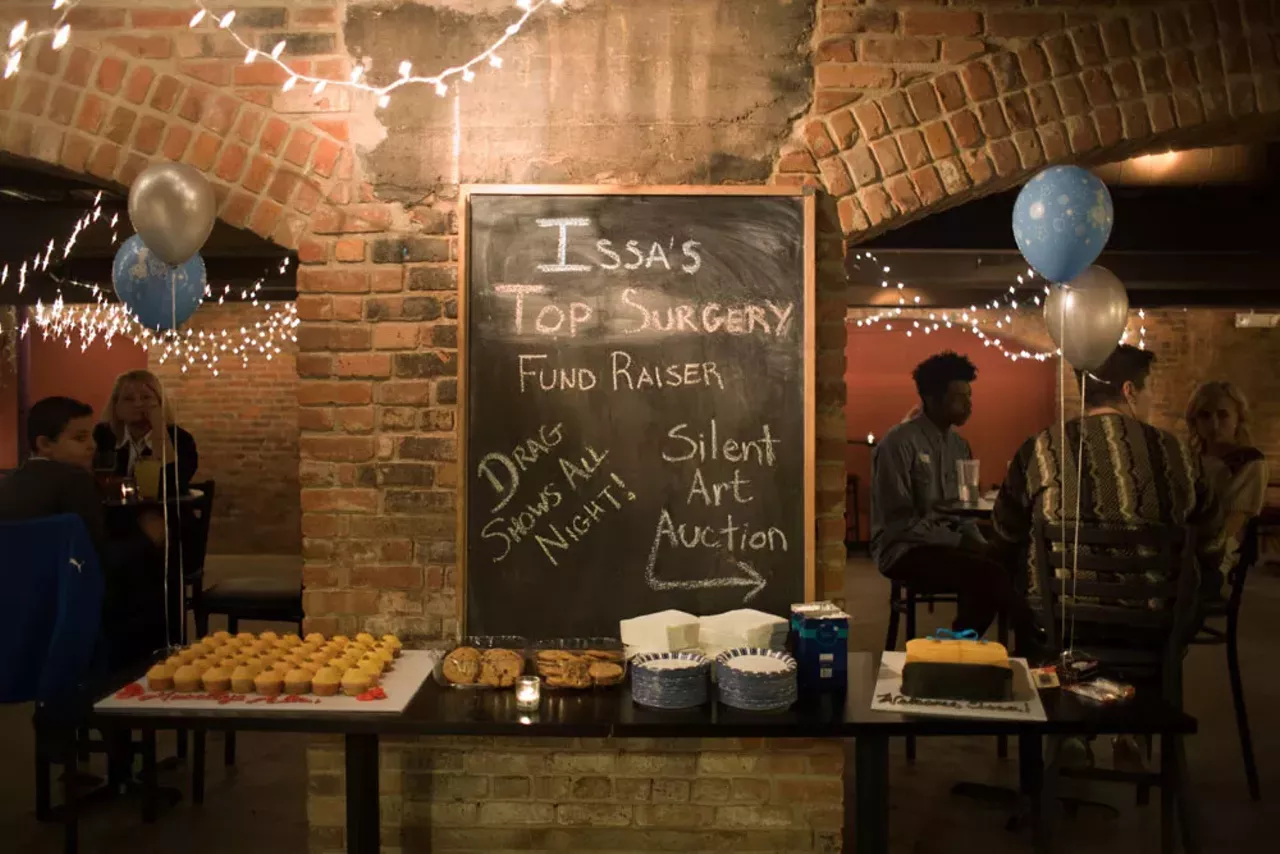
x,y
748,578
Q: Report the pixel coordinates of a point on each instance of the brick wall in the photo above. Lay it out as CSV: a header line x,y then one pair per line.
x,y
506,794
245,423
908,107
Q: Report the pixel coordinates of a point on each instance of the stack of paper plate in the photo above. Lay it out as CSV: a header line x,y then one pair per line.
x,y
669,680
755,679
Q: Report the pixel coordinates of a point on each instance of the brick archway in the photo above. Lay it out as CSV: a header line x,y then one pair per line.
x,y
108,110
1121,83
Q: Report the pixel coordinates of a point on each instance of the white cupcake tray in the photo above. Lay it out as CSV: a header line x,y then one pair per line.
x,y
400,684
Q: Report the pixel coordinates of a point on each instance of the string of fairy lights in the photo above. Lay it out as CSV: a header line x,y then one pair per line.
x,y
910,318
105,320
359,78
23,34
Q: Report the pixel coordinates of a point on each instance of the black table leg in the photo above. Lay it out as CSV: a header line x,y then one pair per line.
x,y
44,776
1031,782
70,821
871,819
149,787
362,794
197,767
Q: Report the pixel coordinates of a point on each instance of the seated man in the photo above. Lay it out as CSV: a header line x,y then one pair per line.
x,y
58,478
913,469
1135,475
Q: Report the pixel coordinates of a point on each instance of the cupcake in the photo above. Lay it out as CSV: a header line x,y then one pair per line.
x,y
256,648
370,668
269,682
225,636
373,661
297,681
342,639
199,650
246,637
282,667
326,681
364,638
392,643
321,658
187,678
187,655
315,638
347,661
290,639
211,641
216,680
385,655
242,678
268,637
160,677
355,681
229,663
175,661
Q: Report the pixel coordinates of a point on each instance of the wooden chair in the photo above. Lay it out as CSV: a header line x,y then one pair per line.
x,y
1222,619
1111,623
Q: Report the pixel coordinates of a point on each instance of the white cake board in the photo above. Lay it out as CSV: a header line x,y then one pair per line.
x,y
400,684
888,696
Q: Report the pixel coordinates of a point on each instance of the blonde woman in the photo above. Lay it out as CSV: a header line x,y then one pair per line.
x,y
138,424
1218,423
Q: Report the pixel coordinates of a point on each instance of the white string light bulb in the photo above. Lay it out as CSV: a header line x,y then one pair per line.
x,y
22,35
358,79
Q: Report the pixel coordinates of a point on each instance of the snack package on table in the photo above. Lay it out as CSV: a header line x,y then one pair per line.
x,y
1104,691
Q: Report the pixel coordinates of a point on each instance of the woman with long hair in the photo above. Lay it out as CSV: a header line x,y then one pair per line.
x,y
1218,423
138,424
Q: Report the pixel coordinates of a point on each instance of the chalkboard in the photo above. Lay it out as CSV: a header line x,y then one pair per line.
x,y
637,404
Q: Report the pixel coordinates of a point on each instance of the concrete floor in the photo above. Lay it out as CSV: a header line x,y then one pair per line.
x,y
260,805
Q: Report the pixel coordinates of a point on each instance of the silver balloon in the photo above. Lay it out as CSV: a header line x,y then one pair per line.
x,y
172,209
1087,316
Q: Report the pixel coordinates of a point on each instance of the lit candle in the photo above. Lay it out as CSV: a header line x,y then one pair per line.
x,y
528,693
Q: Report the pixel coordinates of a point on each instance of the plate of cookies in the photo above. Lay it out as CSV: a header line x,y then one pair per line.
x,y
483,663
579,664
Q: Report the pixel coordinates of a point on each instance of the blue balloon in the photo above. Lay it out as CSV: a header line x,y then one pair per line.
x,y
162,297
1061,221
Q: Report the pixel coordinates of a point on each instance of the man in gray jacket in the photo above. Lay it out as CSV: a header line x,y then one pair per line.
x,y
913,469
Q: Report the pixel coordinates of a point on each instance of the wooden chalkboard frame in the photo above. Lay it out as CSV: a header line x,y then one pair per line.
x,y
809,356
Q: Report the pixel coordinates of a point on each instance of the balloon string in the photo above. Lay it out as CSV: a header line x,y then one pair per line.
x,y
1062,447
1075,549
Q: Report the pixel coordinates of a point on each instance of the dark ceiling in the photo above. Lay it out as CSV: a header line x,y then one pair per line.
x,y
39,203
1207,245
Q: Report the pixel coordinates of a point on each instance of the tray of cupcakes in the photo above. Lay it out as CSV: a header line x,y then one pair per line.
x,y
280,670
579,664
484,663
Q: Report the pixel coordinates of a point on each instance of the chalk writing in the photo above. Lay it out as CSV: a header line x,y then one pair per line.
x,y
564,224
627,373
502,471
551,319
744,575
686,447
767,317
610,498
731,536
552,379
508,531
712,493
691,263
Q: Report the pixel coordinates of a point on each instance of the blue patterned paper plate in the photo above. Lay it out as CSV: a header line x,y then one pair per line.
x,y
756,679
669,680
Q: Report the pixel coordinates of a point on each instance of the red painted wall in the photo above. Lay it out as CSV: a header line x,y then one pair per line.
x,y
57,369
1011,400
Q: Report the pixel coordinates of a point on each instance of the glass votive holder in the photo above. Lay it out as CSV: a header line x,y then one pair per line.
x,y
128,491
528,693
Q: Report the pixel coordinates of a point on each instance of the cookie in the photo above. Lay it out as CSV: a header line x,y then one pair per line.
x,y
605,673
550,655
604,655
500,667
575,674
462,666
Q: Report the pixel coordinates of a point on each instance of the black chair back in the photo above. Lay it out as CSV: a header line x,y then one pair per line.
x,y
1131,603
1250,548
